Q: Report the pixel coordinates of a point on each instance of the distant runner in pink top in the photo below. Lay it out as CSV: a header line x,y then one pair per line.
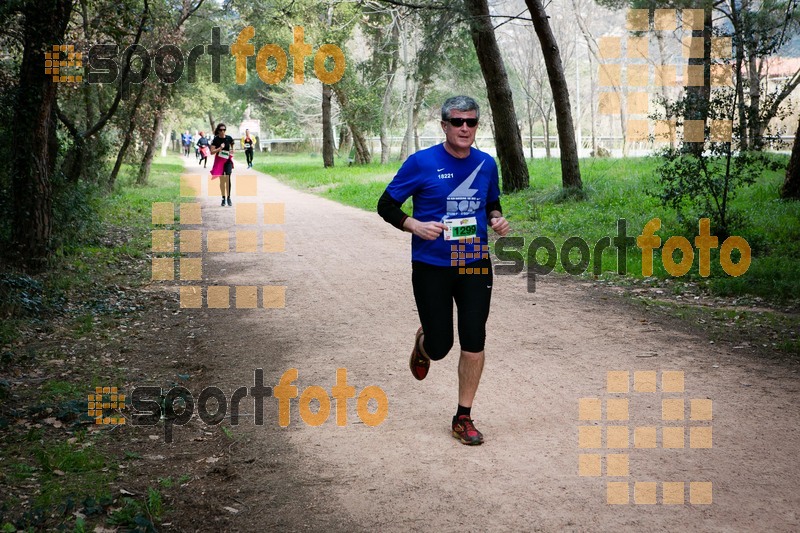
x,y
222,148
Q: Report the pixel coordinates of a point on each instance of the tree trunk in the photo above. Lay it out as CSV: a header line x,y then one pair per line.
x,y
623,122
344,134
591,104
327,127
530,136
74,160
508,140
362,148
144,168
345,142
126,139
738,45
123,149
698,97
386,146
359,140
165,142
420,96
546,124
570,169
411,95
210,123
162,103
34,119
791,187
754,121
386,108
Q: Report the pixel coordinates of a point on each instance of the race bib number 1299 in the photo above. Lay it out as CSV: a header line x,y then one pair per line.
x,y
460,228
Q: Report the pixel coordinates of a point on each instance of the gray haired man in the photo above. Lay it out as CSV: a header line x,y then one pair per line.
x,y
456,194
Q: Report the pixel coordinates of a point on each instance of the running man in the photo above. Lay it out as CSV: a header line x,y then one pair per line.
x,y
455,189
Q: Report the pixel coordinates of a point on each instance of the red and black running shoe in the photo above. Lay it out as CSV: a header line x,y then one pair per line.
x,y
419,363
465,431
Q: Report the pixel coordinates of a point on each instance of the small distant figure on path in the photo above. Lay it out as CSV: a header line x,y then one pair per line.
x,y
203,148
186,142
222,148
248,143
195,139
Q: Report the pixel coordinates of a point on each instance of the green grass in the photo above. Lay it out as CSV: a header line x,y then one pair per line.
x,y
140,515
614,189
89,274
58,391
358,185
9,331
61,471
618,188
131,205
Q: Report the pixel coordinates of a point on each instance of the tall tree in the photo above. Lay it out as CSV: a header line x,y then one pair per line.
x,y
570,168
174,27
528,69
791,187
760,29
151,140
83,118
410,49
127,136
328,147
382,27
698,97
580,12
358,118
45,22
508,140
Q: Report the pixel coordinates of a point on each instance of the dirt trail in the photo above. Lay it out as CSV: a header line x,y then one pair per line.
x,y
349,305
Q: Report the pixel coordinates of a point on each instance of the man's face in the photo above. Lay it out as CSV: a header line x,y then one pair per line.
x,y
462,136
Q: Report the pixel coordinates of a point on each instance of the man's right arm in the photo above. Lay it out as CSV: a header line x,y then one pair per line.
x,y
390,210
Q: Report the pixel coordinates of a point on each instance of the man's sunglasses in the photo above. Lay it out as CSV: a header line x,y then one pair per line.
x,y
458,122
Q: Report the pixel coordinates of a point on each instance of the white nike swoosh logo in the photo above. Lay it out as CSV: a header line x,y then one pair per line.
x,y
439,169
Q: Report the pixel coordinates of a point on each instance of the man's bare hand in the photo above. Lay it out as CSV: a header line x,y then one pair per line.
x,y
500,225
427,230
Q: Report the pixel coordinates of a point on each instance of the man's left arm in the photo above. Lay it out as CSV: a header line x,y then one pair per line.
x,y
494,214
494,211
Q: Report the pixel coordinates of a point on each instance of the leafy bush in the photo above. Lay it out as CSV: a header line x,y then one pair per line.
x,y
20,296
703,185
